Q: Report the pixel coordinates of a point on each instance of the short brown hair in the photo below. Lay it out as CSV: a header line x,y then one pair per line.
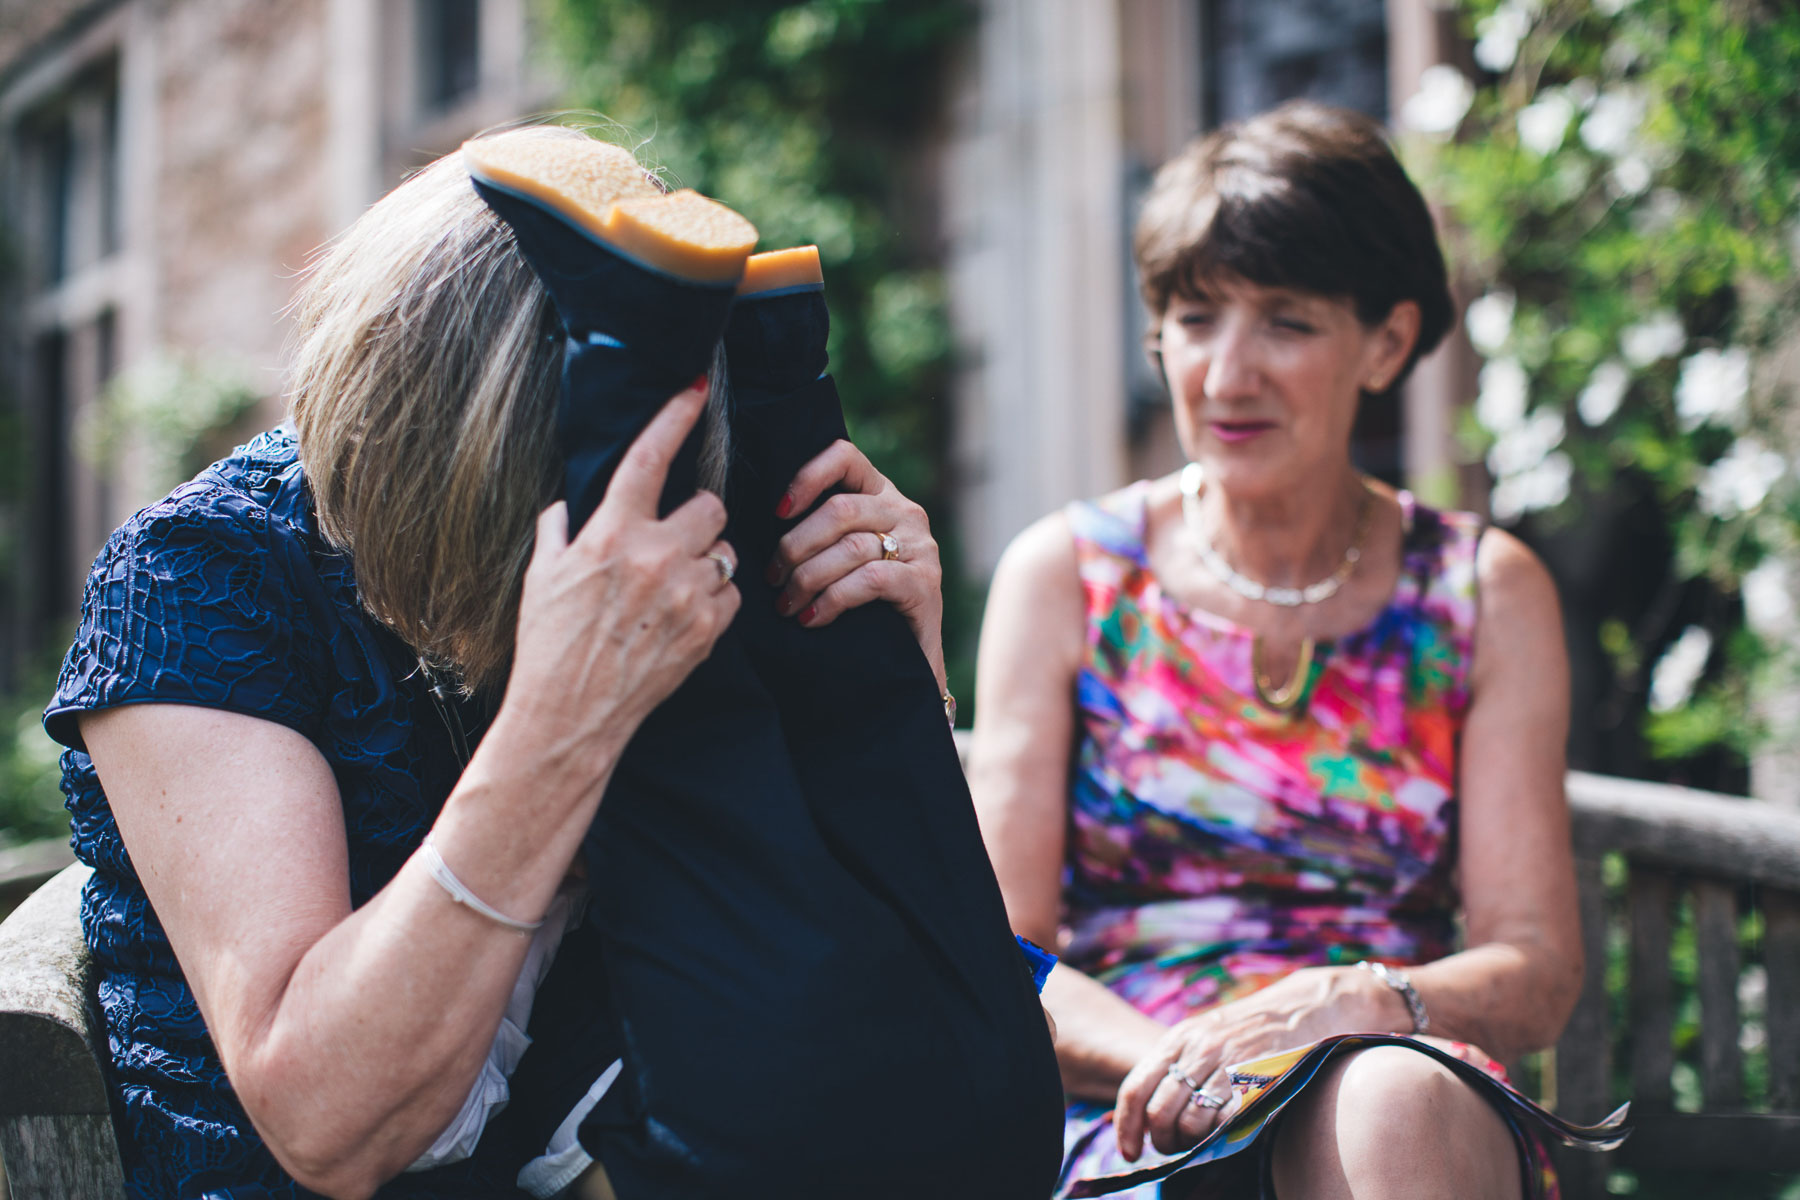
x,y
425,370
1304,196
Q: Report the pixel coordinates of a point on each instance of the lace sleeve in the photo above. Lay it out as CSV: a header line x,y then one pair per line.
x,y
195,600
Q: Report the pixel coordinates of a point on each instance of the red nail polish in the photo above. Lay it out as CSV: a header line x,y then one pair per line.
x,y
786,506
812,610
773,574
781,604
699,382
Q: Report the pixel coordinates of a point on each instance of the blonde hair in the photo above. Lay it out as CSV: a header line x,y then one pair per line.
x,y
425,371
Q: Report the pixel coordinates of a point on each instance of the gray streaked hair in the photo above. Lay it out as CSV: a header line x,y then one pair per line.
x,y
424,375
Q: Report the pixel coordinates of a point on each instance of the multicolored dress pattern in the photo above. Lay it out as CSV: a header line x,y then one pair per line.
x,y
1215,845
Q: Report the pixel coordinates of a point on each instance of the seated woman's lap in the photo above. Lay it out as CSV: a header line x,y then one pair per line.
x,y
1398,1121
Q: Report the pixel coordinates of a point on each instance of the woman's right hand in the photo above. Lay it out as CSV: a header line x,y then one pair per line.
x,y
612,622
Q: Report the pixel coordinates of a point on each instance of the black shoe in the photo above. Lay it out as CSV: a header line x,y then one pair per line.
x,y
641,280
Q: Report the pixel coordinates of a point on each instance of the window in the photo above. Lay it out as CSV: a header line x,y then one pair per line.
x,y
1261,52
65,209
449,47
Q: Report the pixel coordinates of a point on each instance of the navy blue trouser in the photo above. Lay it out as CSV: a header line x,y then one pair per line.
x,y
794,938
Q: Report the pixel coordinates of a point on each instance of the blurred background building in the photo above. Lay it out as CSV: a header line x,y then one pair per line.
x,y
1064,110
168,166
971,169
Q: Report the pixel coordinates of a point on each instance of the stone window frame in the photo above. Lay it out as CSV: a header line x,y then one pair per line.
x,y
68,316
505,86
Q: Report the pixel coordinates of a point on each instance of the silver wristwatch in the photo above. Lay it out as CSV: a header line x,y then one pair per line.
x,y
1402,983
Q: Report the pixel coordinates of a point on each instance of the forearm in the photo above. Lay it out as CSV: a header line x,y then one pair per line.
x,y
373,1044
1099,1036
1507,997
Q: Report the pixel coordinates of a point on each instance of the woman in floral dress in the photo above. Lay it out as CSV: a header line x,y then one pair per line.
x,y
1248,728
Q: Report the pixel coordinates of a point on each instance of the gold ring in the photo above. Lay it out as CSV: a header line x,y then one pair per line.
x,y
890,547
727,568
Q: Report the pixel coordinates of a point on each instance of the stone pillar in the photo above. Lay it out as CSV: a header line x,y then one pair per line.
x,y
139,331
1034,211
1421,34
1163,62
352,82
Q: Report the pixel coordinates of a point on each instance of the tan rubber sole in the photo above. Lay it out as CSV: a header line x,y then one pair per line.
x,y
603,189
797,266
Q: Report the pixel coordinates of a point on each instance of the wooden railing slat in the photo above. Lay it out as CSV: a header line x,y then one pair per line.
x,y
1650,903
1781,959
1703,832
1584,1053
1715,931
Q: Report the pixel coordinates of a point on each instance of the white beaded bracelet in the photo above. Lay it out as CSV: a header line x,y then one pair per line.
x,y
1402,983
459,892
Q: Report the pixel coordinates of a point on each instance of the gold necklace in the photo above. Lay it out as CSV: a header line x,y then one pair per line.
x,y
1282,699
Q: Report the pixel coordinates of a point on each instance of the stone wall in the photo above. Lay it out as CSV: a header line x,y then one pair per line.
x,y
27,27
241,187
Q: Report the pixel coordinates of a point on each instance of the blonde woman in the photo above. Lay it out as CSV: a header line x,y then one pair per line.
x,y
330,645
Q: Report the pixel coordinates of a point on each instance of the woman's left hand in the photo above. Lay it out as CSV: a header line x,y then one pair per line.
x,y
837,559
1310,1004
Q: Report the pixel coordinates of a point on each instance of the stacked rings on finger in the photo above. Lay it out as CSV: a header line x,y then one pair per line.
x,y
890,547
1201,1097
1180,1076
727,568
1206,1099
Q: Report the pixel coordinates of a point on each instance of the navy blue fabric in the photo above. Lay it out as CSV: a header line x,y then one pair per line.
x,y
633,337
815,987
224,595
864,726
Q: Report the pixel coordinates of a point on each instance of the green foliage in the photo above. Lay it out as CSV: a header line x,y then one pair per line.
x,y
171,416
804,117
1626,187
808,118
177,413
31,802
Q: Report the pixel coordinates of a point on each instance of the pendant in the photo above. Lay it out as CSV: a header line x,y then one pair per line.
x,y
1282,699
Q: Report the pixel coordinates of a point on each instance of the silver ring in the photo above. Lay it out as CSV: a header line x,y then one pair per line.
x,y
1180,1076
727,568
1206,1099
890,547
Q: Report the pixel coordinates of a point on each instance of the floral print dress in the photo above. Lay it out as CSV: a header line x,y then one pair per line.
x,y
1215,844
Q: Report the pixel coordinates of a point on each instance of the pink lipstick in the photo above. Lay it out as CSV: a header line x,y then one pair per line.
x,y
1238,431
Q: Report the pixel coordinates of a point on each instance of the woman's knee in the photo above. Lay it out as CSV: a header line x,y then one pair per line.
x,y
1390,1107
1393,1087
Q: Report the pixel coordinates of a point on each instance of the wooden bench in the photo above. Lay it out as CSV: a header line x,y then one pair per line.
x,y
1719,856
1722,859
56,1134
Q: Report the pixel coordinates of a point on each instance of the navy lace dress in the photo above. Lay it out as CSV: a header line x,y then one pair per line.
x,y
225,595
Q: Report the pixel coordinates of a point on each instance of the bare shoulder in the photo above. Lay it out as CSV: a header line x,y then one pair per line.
x,y
1519,608
1044,553
1038,577
1513,582
1035,610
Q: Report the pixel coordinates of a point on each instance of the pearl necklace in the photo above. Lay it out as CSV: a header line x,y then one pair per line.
x,y
1193,477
